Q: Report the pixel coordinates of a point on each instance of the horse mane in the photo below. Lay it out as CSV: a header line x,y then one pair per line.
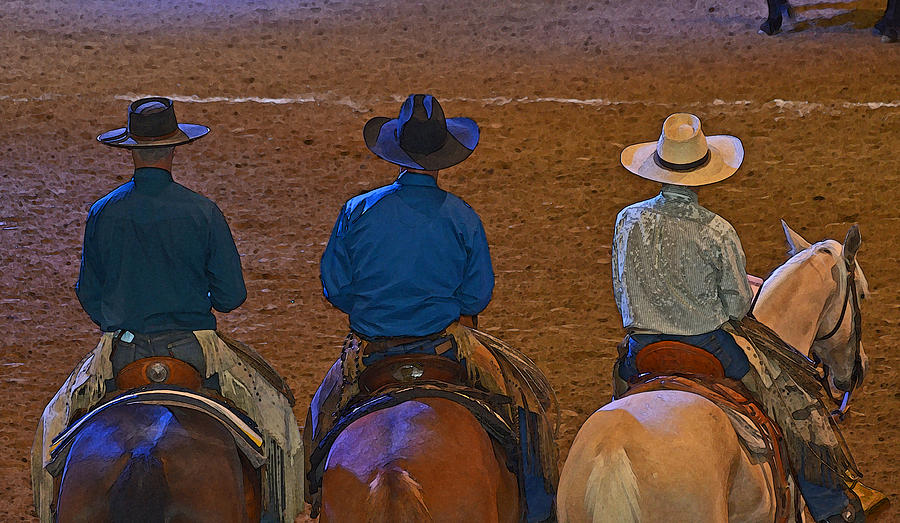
x,y
141,493
395,497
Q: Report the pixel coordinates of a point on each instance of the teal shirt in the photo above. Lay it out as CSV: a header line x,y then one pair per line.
x,y
156,257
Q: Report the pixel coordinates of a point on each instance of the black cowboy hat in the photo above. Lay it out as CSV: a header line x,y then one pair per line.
x,y
420,137
152,123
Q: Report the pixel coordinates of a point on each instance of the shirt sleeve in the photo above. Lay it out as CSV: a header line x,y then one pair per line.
x,y
223,266
474,293
89,287
618,253
335,269
734,289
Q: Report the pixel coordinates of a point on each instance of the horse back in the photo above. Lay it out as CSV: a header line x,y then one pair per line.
x,y
431,452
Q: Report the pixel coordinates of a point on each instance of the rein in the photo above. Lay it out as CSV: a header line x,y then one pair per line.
x,y
844,401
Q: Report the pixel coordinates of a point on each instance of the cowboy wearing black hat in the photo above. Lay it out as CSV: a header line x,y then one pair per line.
x,y
157,257
409,259
409,263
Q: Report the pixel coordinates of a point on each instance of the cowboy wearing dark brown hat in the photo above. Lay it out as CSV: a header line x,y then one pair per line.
x,y
157,258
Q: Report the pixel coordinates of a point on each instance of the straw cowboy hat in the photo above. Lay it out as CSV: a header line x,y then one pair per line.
x,y
683,155
152,123
420,137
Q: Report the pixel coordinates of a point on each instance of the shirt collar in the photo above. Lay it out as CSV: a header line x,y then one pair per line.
x,y
411,178
678,192
155,174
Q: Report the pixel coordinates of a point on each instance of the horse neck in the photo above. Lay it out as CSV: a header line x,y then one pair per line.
x,y
795,298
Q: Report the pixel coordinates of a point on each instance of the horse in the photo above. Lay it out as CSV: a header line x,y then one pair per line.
x,y
424,460
886,27
144,463
133,459
674,456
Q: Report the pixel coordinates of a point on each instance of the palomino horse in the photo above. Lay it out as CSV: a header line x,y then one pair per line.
x,y
674,456
887,26
153,463
420,461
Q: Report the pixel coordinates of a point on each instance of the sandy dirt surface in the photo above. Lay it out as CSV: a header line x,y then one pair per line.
x,y
558,87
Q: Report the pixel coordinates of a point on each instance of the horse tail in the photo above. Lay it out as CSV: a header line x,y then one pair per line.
x,y
612,490
395,497
141,493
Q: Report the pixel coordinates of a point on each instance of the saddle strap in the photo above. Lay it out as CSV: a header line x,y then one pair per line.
x,y
727,397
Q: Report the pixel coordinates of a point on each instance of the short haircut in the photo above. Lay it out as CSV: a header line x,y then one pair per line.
x,y
153,154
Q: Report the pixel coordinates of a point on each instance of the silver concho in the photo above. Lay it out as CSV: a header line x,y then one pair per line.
x,y
158,372
408,372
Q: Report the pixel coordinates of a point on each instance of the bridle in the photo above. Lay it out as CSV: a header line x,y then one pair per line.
x,y
850,297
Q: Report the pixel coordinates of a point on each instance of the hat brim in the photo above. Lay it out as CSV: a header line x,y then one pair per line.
x,y
726,153
187,132
382,138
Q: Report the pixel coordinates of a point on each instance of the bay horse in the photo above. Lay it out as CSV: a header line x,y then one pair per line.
x,y
423,460
142,462
674,456
778,10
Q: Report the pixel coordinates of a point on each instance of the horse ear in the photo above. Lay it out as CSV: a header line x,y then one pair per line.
x,y
852,243
796,243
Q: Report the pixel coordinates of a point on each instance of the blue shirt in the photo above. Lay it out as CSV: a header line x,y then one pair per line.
x,y
407,259
156,257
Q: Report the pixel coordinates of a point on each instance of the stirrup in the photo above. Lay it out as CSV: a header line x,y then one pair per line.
x,y
870,499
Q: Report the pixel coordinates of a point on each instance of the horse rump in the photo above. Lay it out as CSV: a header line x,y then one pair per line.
x,y
140,494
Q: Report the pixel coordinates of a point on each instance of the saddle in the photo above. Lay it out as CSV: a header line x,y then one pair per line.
x,y
673,365
161,370
405,370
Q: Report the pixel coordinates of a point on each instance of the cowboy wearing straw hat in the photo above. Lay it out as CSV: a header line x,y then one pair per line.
x,y
157,257
409,264
679,274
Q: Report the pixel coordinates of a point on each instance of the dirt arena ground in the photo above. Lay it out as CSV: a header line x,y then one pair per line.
x,y
558,87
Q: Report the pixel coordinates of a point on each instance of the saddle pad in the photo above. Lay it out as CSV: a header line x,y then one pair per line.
x,y
244,431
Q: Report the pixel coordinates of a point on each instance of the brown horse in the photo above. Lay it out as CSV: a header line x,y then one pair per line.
x,y
426,460
151,463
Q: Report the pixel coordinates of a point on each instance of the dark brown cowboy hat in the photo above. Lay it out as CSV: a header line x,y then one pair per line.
x,y
152,123
420,137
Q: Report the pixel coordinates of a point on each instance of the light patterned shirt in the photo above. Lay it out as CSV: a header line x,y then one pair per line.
x,y
678,268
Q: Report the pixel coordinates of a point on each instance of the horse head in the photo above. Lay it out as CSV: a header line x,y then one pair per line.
x,y
837,342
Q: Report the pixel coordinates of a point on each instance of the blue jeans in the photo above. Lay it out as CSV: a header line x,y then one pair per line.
x,y
718,343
